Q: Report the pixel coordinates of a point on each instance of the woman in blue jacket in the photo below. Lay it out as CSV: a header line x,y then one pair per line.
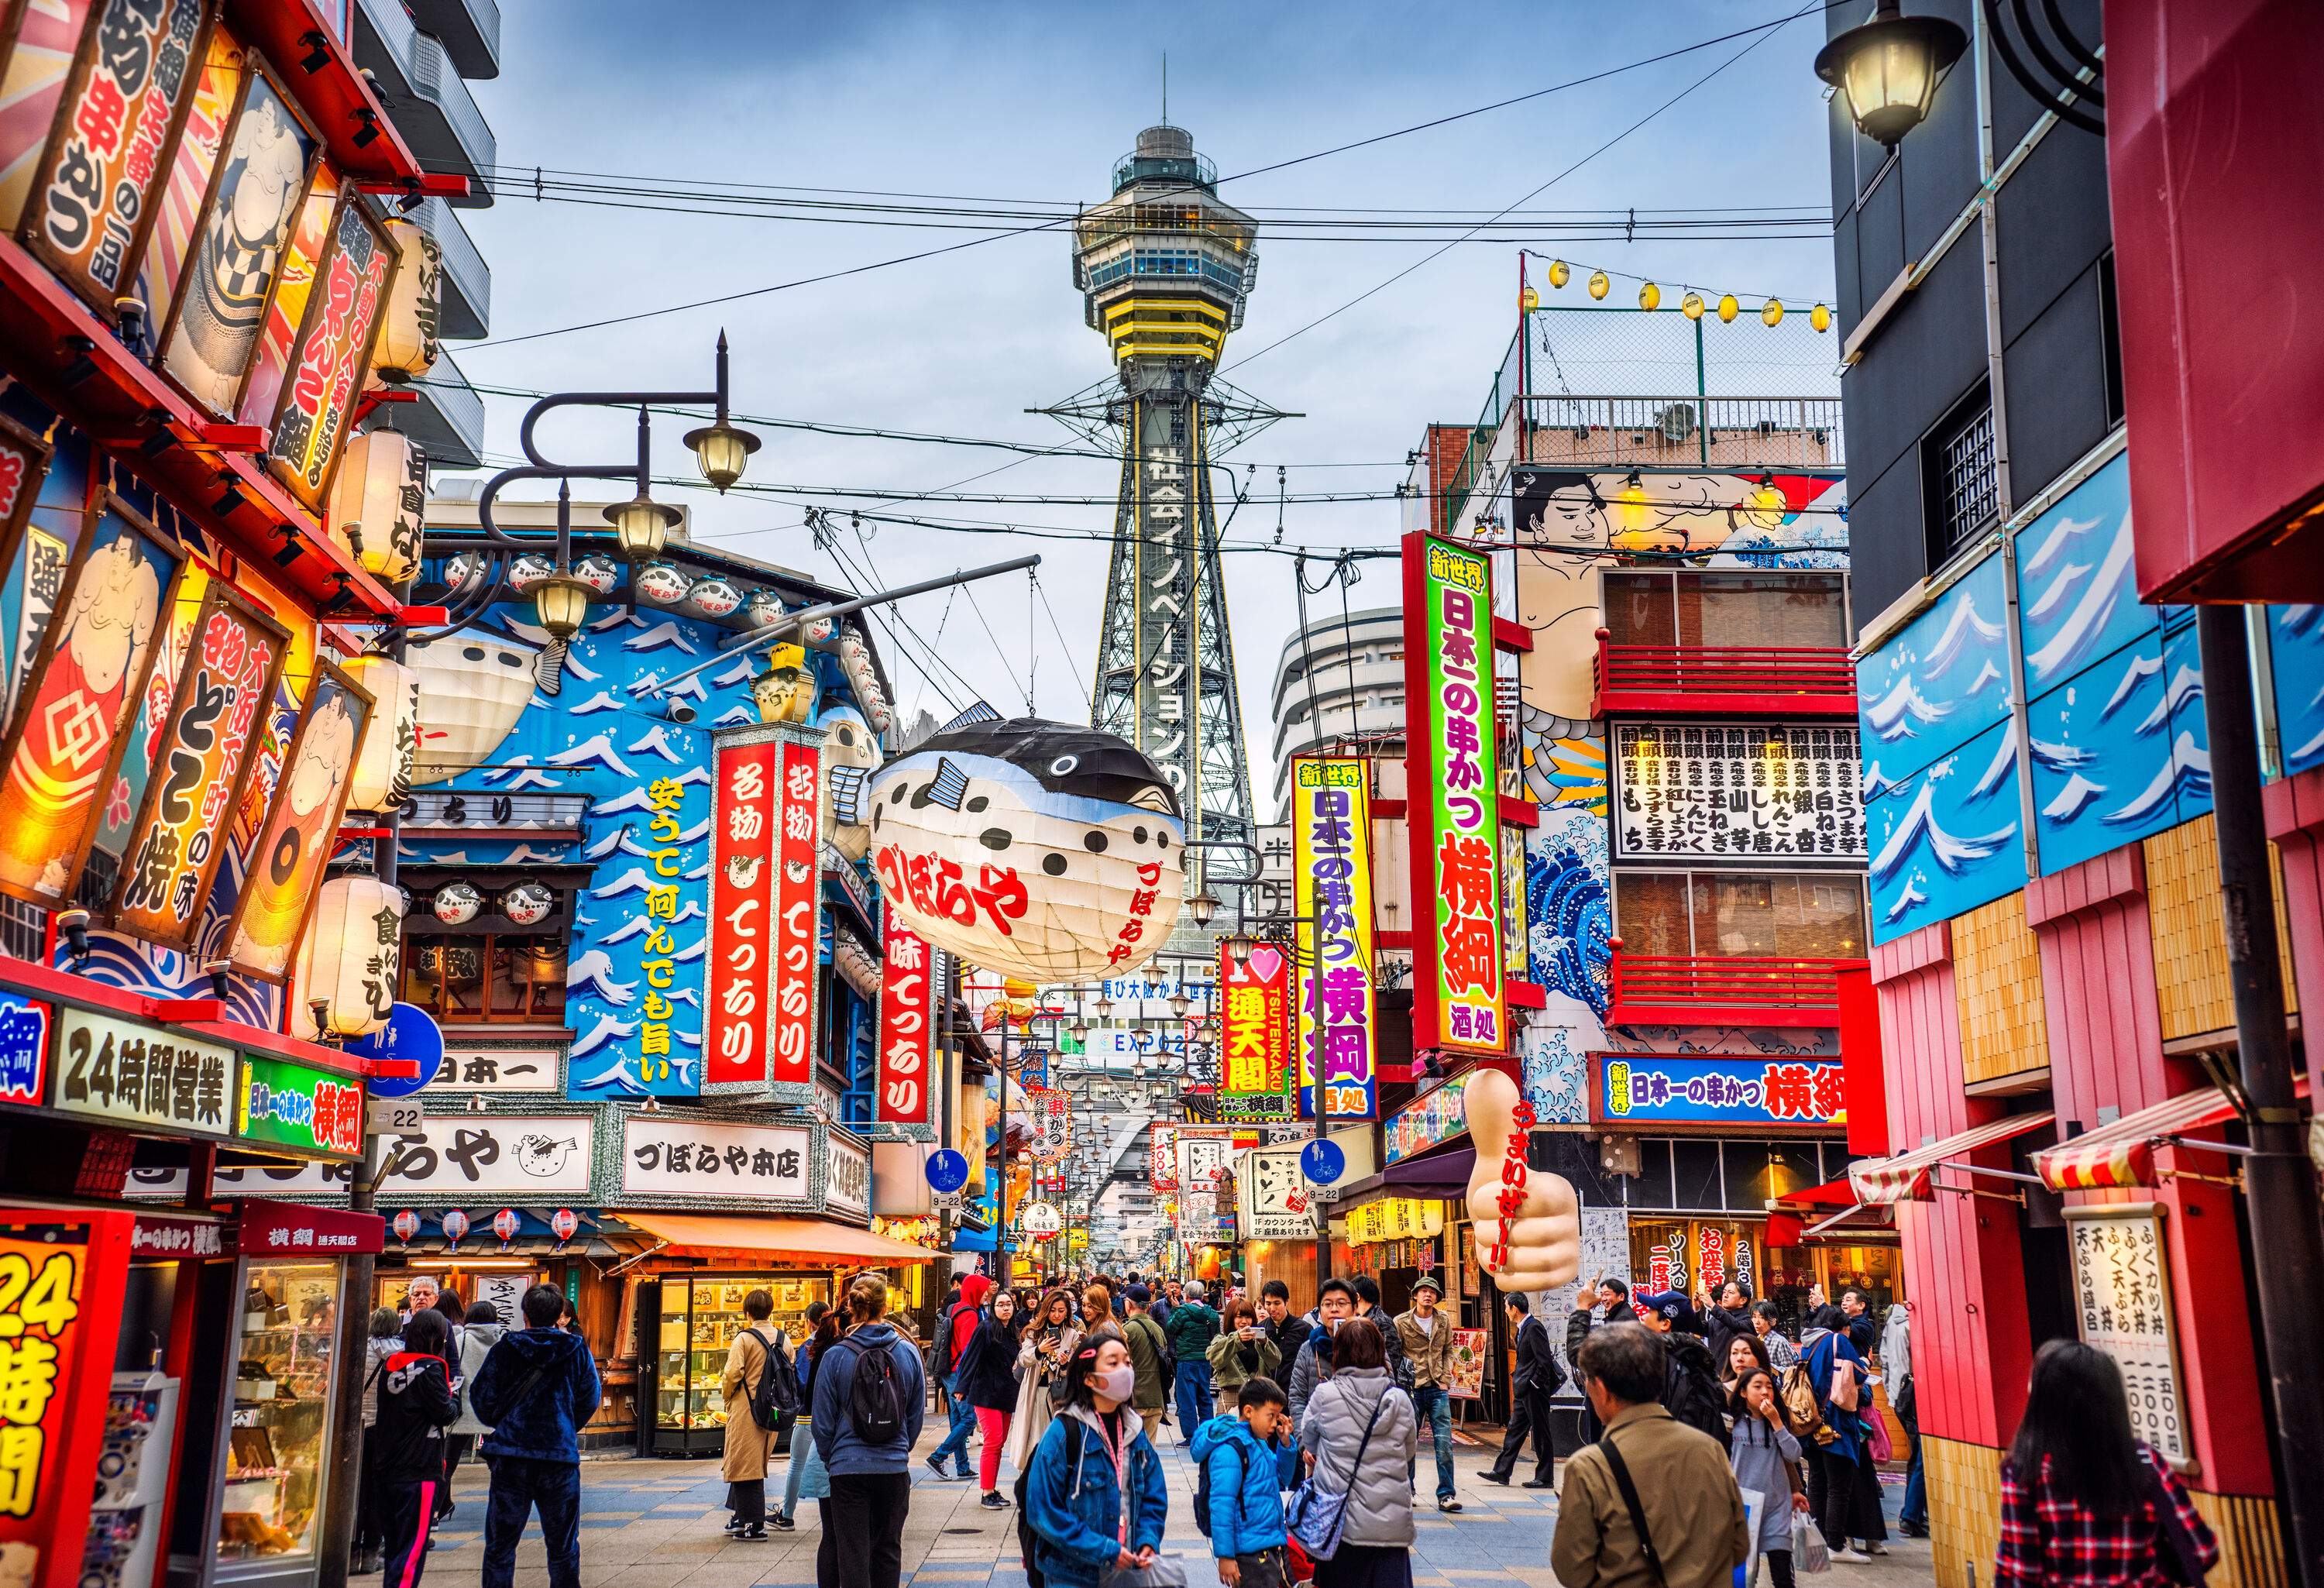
x,y
1094,1496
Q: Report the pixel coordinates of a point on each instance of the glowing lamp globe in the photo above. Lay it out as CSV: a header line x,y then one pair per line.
x,y
722,452
348,962
1030,848
1888,68
381,777
642,525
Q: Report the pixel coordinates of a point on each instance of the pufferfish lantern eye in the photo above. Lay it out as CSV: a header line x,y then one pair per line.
x,y
1153,798
1064,765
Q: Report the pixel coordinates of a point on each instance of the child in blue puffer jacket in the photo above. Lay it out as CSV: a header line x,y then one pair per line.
x,y
1105,1511
1240,1457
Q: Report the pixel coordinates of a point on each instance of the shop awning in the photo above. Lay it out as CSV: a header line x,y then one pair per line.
x,y
2122,1153
809,1243
1886,1181
1838,1216
1444,1174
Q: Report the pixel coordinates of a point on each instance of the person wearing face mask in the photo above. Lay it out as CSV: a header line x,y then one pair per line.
x,y
1094,1500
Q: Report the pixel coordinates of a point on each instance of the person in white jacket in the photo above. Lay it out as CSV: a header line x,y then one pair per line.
x,y
1376,1537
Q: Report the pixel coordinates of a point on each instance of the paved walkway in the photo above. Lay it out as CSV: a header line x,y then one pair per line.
x,y
655,1524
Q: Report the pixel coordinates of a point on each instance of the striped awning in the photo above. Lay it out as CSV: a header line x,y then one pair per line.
x,y
1884,1181
2122,1153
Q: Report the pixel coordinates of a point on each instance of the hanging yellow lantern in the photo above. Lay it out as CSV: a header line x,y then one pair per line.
x,y
1560,272
349,962
1690,306
1528,301
1820,317
1728,309
1598,283
1773,314
1650,297
381,779
407,344
377,504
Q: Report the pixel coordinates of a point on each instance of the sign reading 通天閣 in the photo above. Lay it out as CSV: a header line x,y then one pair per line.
x,y
1255,1033
1741,794
1654,1088
1331,824
1458,997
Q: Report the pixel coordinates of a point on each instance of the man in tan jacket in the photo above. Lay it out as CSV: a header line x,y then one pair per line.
x,y
1426,1336
1692,1515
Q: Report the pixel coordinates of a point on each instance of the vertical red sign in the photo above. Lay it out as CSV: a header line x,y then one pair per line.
x,y
907,1013
744,817
798,893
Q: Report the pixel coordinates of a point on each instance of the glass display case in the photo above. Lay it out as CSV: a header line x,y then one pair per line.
x,y
694,1321
277,1447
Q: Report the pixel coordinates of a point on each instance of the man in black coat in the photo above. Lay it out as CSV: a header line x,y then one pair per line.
x,y
1537,1378
1614,1295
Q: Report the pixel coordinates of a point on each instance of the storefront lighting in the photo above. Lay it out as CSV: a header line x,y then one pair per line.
x,y
1888,68
562,602
72,925
478,1264
643,526
722,452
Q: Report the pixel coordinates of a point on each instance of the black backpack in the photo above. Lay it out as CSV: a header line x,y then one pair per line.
x,y
775,1397
875,1400
1202,1491
1076,1433
1694,1397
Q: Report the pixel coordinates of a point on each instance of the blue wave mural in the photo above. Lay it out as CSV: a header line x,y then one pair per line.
x,y
2295,636
1948,838
1939,682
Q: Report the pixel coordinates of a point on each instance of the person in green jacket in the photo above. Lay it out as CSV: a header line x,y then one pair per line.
x,y
1193,1326
1150,1351
1243,1350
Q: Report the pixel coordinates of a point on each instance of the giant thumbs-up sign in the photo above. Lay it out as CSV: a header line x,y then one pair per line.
x,y
1529,1224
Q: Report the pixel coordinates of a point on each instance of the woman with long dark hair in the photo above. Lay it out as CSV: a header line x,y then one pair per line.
x,y
1843,1485
1093,1495
2084,1501
1050,1338
988,1384
1744,1354
1764,1458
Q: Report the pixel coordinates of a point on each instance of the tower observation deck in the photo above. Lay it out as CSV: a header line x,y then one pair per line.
x,y
1164,268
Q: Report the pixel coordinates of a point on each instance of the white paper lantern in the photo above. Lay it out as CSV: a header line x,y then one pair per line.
x,y
408,331
662,582
455,904
377,504
528,903
349,962
848,742
713,597
473,686
763,608
455,1226
863,677
1031,848
381,779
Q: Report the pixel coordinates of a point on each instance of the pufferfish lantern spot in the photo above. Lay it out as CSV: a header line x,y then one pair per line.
x,y
1031,848
850,754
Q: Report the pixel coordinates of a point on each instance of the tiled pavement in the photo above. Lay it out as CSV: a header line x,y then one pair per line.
x,y
655,1524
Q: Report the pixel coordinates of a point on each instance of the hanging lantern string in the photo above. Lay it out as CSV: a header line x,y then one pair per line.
x,y
1694,303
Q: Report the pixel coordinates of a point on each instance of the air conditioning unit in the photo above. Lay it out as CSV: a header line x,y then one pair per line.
x,y
1677,423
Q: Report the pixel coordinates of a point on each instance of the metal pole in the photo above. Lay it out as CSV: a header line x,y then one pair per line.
x,y
2279,1181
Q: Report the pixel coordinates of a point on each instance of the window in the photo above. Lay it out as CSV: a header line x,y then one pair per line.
x,y
2110,335
1964,482
483,977
1727,610
1751,914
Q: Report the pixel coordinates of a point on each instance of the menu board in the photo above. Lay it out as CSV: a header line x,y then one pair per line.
x,y
1698,791
2123,1306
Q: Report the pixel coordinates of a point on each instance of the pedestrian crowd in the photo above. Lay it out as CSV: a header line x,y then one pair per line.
x,y
1710,1439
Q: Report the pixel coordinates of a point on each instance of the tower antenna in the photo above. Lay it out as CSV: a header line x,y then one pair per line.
x,y
1166,87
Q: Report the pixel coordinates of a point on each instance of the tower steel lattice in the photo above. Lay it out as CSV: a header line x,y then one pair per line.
x,y
1164,267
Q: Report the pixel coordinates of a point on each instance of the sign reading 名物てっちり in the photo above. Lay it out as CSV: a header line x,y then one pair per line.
x,y
1702,791
664,1155
744,817
1428,1121
1255,1032
2123,1306
906,1020
1336,1000
294,1106
1717,1089
797,899
1458,998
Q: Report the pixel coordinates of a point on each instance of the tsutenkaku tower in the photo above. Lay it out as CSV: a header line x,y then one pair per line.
x,y
1164,267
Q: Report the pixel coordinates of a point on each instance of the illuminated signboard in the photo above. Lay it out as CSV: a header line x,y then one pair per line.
x,y
1331,830
1701,791
797,899
295,1105
1654,1088
1255,1033
1458,949
743,816
1428,1121
907,1004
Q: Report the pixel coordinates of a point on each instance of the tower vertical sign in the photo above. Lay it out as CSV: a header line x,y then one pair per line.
x,y
1330,862
1458,999
1167,574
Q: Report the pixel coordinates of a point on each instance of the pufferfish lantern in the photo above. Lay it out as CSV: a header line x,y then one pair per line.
x,y
1030,848
784,692
850,754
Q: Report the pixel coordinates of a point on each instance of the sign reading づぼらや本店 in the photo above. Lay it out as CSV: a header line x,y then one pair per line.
x,y
2123,1306
1762,792
288,1104
667,1161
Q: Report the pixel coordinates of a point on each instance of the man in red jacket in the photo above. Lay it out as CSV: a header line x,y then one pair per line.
x,y
952,1330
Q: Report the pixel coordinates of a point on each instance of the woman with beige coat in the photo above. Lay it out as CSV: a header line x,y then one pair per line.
x,y
749,1447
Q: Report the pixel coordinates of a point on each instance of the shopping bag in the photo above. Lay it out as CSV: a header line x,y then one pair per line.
x,y
1164,1573
1808,1551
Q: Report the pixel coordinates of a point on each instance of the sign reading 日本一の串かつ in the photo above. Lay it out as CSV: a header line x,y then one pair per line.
x,y
1458,999
296,1106
1772,1090
1330,821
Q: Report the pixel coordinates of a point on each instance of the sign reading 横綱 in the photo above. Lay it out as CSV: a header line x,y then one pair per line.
x,y
1458,999
797,902
1331,823
2123,1306
907,1023
1693,790
744,817
1635,1088
1255,1033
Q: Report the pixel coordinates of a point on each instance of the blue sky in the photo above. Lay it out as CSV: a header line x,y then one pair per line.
x,y
1035,102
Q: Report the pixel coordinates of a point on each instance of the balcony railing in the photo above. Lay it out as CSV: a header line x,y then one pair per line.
x,y
1635,432
1725,989
1716,679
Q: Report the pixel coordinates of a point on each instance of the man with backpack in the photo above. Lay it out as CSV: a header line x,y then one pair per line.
x,y
1690,1388
1239,1488
1537,1378
537,1389
869,1401
1192,1327
1150,1354
760,1397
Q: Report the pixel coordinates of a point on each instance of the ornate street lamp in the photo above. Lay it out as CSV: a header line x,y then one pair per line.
x,y
1888,68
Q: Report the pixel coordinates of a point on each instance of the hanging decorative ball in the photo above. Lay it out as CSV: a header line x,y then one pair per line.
x,y
819,633
601,574
527,570
455,1226
763,608
1600,283
505,1224
563,1223
662,582
528,904
1820,317
1528,301
1560,272
406,1224
1690,306
463,570
1650,297
455,903
714,598
474,685
1773,314
1728,309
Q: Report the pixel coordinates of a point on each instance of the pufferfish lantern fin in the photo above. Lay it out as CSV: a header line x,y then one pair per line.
x,y
979,713
847,793
950,786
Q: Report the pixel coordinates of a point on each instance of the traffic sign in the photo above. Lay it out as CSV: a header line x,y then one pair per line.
x,y
1322,1162
947,1170
411,1034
